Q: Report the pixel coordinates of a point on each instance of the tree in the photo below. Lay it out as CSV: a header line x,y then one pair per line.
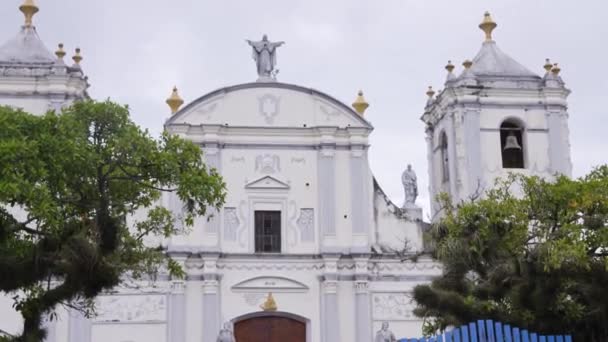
x,y
69,183
537,260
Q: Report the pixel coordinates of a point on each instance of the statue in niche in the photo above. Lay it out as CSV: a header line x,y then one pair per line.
x,y
226,334
264,55
410,187
384,334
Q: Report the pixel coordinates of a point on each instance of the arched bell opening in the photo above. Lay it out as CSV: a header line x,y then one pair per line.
x,y
512,145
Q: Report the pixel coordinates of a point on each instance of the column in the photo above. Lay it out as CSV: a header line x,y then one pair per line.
x,y
211,300
330,323
363,315
79,327
177,312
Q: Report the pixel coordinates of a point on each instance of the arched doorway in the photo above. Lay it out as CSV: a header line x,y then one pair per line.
x,y
270,328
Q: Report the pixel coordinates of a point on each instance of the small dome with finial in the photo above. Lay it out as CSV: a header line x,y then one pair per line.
x,y
488,25
491,61
430,92
29,9
360,105
449,67
174,101
77,58
467,64
60,53
548,66
555,70
26,47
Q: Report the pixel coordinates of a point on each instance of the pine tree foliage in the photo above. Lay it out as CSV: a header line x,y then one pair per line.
x,y
537,260
69,183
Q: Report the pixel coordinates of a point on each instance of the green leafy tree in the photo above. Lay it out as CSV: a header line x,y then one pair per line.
x,y
537,260
68,184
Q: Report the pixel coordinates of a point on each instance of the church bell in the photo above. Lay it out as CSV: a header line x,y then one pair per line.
x,y
511,143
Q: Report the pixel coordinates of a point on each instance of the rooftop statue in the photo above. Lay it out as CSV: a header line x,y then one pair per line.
x,y
265,57
410,187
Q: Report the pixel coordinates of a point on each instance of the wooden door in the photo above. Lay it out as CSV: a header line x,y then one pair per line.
x,y
270,329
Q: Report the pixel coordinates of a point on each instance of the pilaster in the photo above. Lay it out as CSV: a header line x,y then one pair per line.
x,y
472,138
330,328
79,327
327,194
363,318
51,329
176,320
359,196
430,160
211,300
212,153
559,149
452,157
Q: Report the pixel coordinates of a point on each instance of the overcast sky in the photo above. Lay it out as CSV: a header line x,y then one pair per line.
x,y
135,51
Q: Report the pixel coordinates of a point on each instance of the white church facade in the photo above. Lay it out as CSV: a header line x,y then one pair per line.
x,y
307,247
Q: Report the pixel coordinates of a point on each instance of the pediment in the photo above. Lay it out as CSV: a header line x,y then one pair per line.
x,y
267,183
268,105
270,284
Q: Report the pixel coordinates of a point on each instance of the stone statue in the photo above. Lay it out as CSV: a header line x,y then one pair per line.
x,y
385,335
265,57
226,334
410,187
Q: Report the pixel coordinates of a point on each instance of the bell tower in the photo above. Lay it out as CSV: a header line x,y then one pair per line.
x,y
494,118
34,79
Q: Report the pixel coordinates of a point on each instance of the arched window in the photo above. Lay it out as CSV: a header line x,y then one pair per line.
x,y
511,145
445,165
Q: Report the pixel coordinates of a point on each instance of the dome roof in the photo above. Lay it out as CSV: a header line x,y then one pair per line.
x,y
491,61
25,48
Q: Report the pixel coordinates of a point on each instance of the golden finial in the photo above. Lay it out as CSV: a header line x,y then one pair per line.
x,y
60,53
449,67
430,92
77,57
487,26
174,101
269,304
360,105
555,70
467,64
548,66
28,9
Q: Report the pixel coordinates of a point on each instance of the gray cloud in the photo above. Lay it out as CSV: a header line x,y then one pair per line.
x,y
136,50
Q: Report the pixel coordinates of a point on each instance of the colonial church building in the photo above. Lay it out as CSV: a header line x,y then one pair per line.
x,y
307,247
